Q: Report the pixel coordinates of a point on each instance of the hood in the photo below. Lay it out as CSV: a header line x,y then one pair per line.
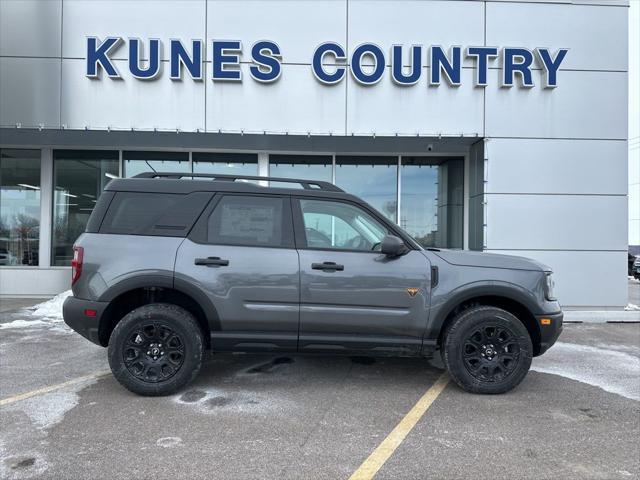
x,y
489,260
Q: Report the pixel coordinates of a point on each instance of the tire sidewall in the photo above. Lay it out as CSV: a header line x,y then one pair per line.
x,y
463,326
179,320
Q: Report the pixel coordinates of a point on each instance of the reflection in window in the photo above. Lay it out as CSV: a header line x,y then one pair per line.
x,y
19,207
79,178
341,226
304,167
226,163
374,179
431,200
135,162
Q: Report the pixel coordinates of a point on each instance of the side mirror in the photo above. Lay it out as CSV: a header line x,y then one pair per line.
x,y
393,246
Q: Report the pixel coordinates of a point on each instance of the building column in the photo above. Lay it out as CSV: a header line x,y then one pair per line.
x,y
263,167
46,206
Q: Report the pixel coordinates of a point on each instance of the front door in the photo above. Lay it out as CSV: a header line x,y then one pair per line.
x,y
352,297
241,254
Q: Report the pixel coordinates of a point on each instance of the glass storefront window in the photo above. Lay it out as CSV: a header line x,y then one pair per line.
x,y
374,179
19,207
135,162
79,178
304,167
431,200
225,163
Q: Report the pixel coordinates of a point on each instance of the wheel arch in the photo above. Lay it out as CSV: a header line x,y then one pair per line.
x,y
506,297
129,295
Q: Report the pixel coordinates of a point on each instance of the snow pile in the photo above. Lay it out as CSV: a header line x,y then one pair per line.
x,y
612,370
51,309
45,314
632,307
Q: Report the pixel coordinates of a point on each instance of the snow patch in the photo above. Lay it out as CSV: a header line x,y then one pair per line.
x,y
632,307
169,442
24,324
52,308
45,314
47,410
613,371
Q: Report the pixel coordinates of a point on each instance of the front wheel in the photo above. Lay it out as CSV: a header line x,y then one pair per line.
x,y
487,350
156,349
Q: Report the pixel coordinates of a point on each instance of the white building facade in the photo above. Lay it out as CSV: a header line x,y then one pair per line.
x,y
485,125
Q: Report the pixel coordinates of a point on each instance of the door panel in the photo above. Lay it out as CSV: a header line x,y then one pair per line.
x,y
256,295
241,254
366,306
352,297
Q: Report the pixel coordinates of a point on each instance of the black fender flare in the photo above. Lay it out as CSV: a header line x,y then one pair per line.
x,y
509,291
165,280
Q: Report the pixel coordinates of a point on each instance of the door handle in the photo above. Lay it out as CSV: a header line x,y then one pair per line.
x,y
327,266
212,262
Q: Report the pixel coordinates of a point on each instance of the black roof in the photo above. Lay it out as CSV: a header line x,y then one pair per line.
x,y
183,183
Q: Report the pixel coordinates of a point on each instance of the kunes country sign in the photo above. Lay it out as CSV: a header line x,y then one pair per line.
x,y
329,62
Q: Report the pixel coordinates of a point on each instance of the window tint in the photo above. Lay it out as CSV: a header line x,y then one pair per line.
x,y
341,226
250,221
153,213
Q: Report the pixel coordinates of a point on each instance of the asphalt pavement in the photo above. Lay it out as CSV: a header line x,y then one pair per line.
x,y
62,415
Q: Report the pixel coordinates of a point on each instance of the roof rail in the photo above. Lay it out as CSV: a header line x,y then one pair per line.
x,y
306,184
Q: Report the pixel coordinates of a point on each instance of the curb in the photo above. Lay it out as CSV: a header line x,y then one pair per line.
x,y
583,316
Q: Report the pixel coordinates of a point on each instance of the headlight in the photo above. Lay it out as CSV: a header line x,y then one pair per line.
x,y
549,284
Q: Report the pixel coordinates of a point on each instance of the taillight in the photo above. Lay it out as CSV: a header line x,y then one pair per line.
x,y
76,264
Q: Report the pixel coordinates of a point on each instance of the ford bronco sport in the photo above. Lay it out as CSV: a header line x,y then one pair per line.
x,y
172,264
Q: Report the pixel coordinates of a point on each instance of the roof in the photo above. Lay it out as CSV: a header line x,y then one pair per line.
x,y
183,183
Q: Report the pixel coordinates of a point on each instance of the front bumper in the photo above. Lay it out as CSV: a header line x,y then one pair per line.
x,y
74,314
549,333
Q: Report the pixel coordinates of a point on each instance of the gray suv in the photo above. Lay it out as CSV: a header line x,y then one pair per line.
x,y
173,264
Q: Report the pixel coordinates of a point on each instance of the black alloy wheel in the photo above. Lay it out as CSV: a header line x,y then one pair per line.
x,y
491,353
156,349
486,350
153,352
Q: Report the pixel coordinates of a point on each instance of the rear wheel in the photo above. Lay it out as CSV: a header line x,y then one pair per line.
x,y
487,350
156,349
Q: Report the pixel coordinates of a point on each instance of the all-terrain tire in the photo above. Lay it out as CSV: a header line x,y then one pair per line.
x,y
487,350
165,329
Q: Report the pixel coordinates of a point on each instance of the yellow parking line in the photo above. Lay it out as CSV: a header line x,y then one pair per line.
x,y
52,388
380,455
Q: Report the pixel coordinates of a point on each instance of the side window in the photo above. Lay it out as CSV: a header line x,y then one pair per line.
x,y
165,214
341,226
257,221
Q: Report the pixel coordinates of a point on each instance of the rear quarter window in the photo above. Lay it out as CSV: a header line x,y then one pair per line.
x,y
162,214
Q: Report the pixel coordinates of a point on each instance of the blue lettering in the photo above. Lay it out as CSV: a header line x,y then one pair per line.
x,y
135,54
551,65
99,55
222,58
397,74
265,54
318,56
180,58
356,64
522,67
482,55
451,69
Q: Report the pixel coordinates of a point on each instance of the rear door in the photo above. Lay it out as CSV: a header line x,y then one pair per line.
x,y
353,297
241,254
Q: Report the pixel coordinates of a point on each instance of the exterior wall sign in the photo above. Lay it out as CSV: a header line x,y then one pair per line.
x,y
329,62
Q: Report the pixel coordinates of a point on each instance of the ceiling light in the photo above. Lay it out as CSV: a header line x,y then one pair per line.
x,y
111,175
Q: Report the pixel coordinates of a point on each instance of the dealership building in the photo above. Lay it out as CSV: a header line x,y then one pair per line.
x,y
497,126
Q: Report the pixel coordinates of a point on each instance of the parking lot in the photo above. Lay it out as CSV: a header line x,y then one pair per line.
x,y
62,415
